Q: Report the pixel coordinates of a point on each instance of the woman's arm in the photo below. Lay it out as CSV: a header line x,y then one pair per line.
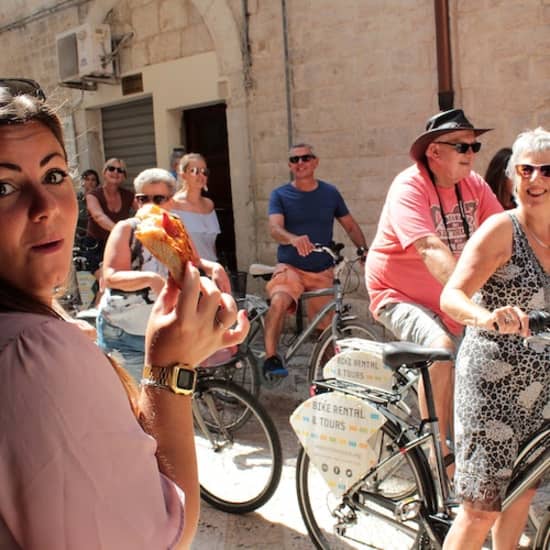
x,y
117,260
97,213
489,248
185,326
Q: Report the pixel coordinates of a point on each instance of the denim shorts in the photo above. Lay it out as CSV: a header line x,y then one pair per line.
x,y
415,323
129,347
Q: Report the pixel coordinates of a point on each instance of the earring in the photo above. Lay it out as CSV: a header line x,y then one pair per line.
x,y
205,187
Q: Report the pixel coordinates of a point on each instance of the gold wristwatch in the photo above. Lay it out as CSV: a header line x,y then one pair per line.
x,y
178,378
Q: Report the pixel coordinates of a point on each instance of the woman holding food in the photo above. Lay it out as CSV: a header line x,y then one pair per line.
x,y
133,277
98,475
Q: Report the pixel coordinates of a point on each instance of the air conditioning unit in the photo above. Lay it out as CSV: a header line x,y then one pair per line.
x,y
84,51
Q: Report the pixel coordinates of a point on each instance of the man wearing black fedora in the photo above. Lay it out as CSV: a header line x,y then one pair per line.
x,y
430,211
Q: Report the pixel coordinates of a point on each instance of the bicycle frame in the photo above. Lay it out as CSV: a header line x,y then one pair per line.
x,y
527,475
382,401
335,304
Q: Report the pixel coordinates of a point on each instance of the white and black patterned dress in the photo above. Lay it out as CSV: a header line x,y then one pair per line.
x,y
502,391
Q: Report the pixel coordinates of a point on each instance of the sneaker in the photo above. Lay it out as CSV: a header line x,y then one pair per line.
x,y
273,366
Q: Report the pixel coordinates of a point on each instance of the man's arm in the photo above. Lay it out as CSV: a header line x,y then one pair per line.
x,y
352,228
277,229
436,256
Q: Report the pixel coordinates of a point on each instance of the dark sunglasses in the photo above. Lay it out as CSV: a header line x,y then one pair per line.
x,y
23,86
196,171
527,170
115,169
157,199
462,148
304,158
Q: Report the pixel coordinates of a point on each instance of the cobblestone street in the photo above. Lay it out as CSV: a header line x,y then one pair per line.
x,y
278,523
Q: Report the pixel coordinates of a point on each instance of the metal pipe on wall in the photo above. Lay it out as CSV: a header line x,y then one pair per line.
x,y
444,57
290,129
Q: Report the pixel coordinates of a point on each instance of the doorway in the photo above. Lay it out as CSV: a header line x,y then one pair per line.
x,y
204,131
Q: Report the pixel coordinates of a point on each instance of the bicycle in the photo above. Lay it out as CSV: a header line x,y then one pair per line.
x,y
400,489
344,324
80,296
238,448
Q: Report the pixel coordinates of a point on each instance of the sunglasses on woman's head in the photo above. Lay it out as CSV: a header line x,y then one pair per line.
x,y
196,171
157,199
23,86
115,169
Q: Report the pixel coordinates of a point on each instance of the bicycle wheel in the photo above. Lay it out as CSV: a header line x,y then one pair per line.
x,y
395,480
242,371
240,462
542,540
323,349
367,519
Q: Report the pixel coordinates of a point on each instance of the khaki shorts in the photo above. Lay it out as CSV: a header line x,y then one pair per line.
x,y
415,323
294,282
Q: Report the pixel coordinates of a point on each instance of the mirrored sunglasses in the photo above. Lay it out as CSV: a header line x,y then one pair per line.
x,y
527,170
304,158
462,148
157,199
196,171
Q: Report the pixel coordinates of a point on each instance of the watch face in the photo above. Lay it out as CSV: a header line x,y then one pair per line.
x,y
185,379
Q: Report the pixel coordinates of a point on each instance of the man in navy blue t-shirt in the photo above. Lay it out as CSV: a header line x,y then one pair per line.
x,y
301,213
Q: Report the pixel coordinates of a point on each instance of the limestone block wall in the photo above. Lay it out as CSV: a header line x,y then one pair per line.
x,y
501,51
358,81
362,83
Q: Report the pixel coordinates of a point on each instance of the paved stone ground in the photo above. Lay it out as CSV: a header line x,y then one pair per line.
x,y
278,524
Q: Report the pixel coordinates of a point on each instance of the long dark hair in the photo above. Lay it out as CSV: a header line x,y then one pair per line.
x,y
22,109
496,177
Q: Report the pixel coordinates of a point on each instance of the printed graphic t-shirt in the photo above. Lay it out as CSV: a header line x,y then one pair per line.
x,y
394,270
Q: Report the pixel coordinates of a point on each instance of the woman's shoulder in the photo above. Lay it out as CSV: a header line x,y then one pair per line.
x,y
18,326
182,205
208,205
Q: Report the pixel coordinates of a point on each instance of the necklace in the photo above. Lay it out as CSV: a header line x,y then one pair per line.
x,y
543,244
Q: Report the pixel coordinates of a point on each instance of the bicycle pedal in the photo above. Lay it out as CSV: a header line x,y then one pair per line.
x,y
407,509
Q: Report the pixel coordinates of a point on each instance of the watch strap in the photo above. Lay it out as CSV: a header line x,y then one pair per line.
x,y
168,377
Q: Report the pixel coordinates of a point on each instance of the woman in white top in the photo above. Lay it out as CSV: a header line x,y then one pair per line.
x,y
196,211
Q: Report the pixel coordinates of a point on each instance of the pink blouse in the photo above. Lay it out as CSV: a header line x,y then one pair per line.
x,y
76,469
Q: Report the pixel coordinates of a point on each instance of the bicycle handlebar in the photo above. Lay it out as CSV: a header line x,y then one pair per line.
x,y
334,250
539,321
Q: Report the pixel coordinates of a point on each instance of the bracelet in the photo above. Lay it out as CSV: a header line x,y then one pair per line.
x,y
152,384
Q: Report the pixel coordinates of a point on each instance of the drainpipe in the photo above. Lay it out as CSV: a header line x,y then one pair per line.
x,y
287,76
245,46
444,59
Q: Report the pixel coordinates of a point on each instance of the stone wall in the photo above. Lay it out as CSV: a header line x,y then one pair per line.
x,y
362,80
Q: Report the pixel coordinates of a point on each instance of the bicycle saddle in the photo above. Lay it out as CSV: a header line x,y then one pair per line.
x,y
396,354
259,270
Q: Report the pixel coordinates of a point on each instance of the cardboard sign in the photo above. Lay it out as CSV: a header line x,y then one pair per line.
x,y
360,361
338,433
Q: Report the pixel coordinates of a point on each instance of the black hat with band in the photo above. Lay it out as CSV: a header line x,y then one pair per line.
x,y
439,124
